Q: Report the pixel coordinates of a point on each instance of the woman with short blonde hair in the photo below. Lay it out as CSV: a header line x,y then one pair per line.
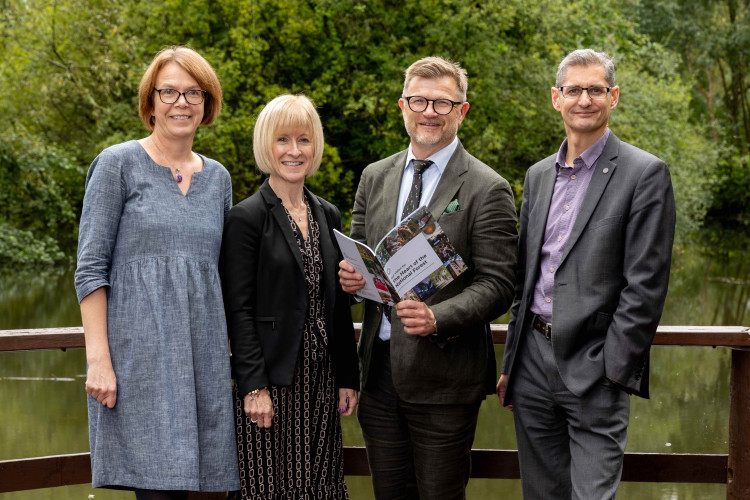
x,y
293,352
286,112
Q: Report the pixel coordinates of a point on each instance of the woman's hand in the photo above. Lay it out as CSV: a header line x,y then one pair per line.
x,y
348,400
259,408
101,383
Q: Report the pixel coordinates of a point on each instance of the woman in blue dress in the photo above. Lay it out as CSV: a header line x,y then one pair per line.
x,y
158,378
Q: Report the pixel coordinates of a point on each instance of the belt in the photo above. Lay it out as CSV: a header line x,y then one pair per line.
x,y
542,327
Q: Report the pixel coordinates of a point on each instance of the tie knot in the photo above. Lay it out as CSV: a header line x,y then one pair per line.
x,y
420,165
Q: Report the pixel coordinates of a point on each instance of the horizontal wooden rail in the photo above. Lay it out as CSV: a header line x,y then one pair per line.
x,y
640,467
66,470
710,336
41,339
44,472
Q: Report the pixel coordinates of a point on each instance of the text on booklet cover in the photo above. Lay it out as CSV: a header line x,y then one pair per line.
x,y
413,261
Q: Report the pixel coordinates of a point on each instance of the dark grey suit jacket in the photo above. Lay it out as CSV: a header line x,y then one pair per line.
x,y
458,365
610,286
265,293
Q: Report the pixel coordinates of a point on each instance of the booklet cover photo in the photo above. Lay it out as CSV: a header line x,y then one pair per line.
x,y
413,261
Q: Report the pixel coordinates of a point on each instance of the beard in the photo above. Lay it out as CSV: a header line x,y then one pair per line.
x,y
449,131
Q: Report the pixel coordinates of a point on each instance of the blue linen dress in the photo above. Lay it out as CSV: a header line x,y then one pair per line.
x,y
157,250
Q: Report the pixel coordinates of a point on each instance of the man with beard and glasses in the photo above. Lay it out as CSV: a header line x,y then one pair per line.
x,y
427,366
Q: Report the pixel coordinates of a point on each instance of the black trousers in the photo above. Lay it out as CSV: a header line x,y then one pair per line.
x,y
415,451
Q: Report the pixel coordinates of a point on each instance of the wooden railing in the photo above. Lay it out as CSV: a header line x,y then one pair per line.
x,y
732,469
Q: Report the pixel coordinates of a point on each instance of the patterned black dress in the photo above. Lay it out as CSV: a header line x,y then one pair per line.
x,y
300,456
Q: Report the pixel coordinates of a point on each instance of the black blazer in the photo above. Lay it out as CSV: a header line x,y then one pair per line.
x,y
265,293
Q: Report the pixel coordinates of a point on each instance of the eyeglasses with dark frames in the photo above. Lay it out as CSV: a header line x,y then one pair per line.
x,y
419,104
574,92
171,96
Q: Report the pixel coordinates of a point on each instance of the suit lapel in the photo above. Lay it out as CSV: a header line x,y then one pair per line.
x,y
279,215
328,251
537,223
450,182
603,172
386,219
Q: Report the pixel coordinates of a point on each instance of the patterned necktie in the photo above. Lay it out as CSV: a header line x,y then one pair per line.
x,y
415,193
412,202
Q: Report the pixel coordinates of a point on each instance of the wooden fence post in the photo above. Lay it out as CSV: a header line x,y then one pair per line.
x,y
738,462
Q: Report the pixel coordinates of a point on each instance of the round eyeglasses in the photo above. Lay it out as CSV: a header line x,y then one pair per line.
x,y
171,96
574,92
419,104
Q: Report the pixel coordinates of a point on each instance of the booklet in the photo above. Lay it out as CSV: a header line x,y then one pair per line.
x,y
413,261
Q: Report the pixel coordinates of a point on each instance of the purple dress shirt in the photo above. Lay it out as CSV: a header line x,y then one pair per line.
x,y
570,188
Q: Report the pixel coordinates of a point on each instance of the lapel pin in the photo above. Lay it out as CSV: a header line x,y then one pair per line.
x,y
605,170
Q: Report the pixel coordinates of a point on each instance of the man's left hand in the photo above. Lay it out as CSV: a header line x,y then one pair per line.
x,y
416,317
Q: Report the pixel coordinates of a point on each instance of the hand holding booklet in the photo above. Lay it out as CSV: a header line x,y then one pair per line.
x,y
413,261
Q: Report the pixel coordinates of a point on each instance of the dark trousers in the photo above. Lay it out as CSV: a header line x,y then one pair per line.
x,y
568,446
415,451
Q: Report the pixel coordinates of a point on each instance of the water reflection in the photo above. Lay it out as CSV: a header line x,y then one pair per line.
x,y
42,404
38,299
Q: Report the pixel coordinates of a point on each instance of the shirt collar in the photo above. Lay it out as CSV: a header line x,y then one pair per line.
x,y
589,157
440,158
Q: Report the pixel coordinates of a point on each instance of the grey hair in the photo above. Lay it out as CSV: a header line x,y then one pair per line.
x,y
587,57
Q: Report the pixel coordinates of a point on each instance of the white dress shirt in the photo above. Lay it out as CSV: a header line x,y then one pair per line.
x,y
430,179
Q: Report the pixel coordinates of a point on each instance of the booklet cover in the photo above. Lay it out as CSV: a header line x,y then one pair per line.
x,y
413,261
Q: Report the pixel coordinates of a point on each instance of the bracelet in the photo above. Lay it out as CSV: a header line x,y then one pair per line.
x,y
434,324
254,393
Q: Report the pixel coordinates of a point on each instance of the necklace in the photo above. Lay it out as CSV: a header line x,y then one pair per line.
x,y
294,213
178,175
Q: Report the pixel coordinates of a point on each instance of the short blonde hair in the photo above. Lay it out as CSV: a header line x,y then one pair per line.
x,y
193,63
283,113
438,67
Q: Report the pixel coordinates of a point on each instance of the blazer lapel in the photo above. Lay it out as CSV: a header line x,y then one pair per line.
x,y
386,219
329,253
279,215
604,169
450,182
537,223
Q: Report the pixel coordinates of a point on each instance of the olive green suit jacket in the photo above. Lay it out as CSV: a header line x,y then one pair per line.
x,y
457,365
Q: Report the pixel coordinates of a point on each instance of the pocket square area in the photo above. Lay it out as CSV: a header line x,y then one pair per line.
x,y
452,207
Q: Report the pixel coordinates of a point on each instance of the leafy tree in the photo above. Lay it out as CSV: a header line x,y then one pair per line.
x,y
71,72
37,219
712,39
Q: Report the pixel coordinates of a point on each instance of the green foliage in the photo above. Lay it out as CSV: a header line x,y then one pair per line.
x,y
37,219
685,147
712,40
24,248
71,71
335,184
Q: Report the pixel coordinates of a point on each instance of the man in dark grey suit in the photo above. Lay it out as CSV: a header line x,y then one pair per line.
x,y
596,233
426,371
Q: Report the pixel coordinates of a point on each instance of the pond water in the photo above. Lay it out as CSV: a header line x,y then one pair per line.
x,y
43,411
